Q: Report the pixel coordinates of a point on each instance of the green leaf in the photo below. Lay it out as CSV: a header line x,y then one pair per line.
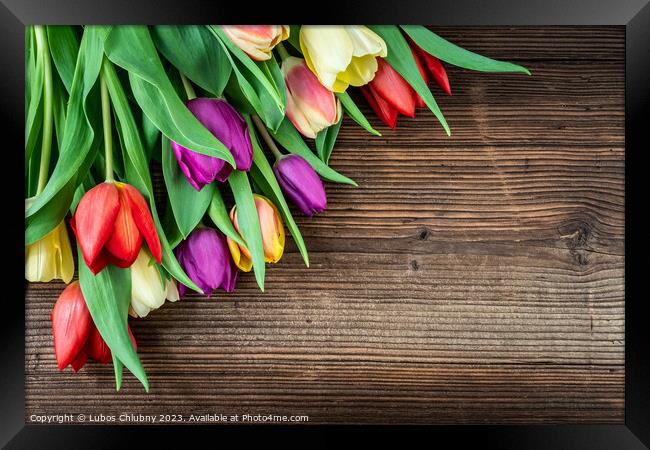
x,y
188,204
326,139
259,88
401,59
219,215
353,111
264,178
294,37
107,296
125,122
64,47
30,61
196,53
131,48
272,71
169,226
118,367
453,54
291,140
33,94
137,169
78,136
59,103
87,184
150,135
248,221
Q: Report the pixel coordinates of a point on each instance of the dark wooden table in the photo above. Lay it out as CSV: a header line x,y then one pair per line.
x,y
471,279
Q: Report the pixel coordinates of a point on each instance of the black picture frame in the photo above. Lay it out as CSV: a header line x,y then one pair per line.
x,y
633,14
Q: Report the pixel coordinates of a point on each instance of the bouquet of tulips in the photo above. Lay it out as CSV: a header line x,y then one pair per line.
x,y
209,105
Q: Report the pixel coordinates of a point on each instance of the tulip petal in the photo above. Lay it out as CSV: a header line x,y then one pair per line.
x,y
361,70
365,41
301,184
50,257
256,40
143,220
434,66
96,347
243,262
311,107
205,258
126,240
71,325
419,102
171,291
272,229
227,125
79,361
94,219
327,51
392,88
147,289
100,262
382,109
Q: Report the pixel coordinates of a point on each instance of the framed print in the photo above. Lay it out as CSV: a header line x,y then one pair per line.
x,y
436,223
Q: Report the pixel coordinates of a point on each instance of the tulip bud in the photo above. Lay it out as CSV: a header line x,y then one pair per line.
x,y
389,94
272,234
257,40
50,257
204,257
71,326
419,102
148,289
341,55
311,107
75,336
227,125
301,184
96,348
110,222
433,65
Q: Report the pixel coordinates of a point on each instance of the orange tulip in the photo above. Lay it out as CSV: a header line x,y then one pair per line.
x,y
272,234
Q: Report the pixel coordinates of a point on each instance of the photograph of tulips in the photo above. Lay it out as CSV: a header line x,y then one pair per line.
x,y
324,224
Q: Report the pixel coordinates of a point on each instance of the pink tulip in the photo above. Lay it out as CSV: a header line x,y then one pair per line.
x,y
311,107
257,40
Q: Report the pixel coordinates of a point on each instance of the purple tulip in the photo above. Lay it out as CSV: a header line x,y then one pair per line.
x,y
301,184
205,257
227,125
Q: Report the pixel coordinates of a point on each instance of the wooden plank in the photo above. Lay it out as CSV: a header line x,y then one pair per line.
x,y
477,278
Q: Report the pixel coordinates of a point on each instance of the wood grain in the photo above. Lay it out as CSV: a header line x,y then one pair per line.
x,y
477,278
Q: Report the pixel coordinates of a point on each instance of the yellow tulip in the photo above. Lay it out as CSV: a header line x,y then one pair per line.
x,y
272,234
50,257
148,290
341,55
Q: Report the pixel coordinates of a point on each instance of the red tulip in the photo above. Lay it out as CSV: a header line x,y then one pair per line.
x,y
418,100
389,94
433,66
96,348
71,326
110,222
75,336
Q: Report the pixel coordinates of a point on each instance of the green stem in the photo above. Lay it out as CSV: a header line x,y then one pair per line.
x,y
284,54
108,133
266,136
46,143
189,89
